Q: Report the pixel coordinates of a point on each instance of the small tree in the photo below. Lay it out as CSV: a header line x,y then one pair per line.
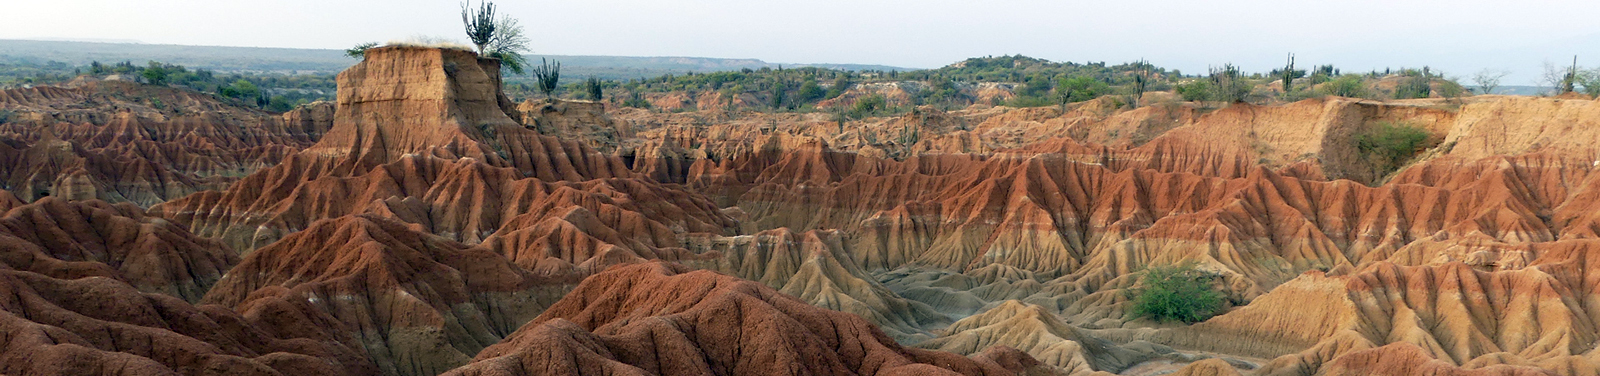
x,y
1450,88
548,76
1194,91
1079,89
501,38
1561,80
1589,79
360,50
1179,292
509,44
155,74
1488,79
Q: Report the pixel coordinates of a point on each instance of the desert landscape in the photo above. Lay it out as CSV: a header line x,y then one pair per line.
x,y
435,214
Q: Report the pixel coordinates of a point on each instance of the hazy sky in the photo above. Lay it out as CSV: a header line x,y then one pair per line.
x,y
1457,36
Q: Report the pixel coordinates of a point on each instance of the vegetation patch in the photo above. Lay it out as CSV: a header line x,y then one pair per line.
x,y
1179,292
1388,145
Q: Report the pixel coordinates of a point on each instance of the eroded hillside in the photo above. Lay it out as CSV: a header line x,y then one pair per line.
x,y
427,224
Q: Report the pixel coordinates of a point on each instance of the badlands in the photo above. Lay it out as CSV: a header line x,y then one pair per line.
x,y
427,224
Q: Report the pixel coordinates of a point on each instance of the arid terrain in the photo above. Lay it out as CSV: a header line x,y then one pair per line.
x,y
424,223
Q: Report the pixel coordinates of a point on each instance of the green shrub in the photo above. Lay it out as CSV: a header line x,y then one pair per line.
x,y
1348,86
360,50
810,92
1416,84
1079,89
1194,91
1024,102
1179,292
1229,84
636,101
868,106
1387,145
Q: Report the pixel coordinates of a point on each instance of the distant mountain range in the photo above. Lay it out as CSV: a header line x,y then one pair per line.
x,y
291,60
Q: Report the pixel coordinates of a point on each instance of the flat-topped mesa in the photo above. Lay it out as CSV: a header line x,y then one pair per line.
x,y
444,103
403,100
407,118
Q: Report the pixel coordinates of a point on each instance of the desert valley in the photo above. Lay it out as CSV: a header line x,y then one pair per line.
x,y
427,220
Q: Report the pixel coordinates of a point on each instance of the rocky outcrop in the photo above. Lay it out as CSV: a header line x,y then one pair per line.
x,y
418,303
425,135
1447,319
97,325
816,267
81,239
1040,333
96,288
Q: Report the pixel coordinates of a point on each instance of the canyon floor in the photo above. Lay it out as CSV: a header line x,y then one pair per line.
x,y
426,224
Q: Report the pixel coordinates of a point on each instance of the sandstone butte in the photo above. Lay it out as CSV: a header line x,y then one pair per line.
x,y
426,224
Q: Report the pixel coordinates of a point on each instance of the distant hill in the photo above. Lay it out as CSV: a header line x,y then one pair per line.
x,y
1522,90
290,60
224,59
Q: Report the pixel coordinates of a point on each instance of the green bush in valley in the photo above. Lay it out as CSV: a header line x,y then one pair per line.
x,y
1179,292
1387,145
810,91
868,106
1025,102
636,101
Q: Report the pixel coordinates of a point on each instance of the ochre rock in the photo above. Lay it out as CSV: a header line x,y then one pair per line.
x,y
80,239
1040,333
125,142
657,318
418,303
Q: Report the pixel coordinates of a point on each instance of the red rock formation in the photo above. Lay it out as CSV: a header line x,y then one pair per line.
x,y
1446,320
103,326
125,142
424,135
71,240
96,288
418,303
659,318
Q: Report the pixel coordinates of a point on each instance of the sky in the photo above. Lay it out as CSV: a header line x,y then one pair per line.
x,y
1459,37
